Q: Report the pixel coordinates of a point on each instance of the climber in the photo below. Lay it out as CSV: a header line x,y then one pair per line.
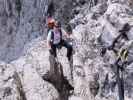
x,y
55,40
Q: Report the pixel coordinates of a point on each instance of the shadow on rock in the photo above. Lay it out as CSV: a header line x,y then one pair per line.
x,y
56,77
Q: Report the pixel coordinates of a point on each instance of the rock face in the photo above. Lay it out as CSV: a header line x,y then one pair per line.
x,y
20,81
39,75
8,88
99,26
33,74
22,20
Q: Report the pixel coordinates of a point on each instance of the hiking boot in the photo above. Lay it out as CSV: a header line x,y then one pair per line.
x,y
70,58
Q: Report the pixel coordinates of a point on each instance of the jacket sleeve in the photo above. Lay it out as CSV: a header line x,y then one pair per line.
x,y
63,32
49,36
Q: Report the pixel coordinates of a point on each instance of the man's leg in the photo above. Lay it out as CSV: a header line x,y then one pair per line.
x,y
69,56
69,49
53,51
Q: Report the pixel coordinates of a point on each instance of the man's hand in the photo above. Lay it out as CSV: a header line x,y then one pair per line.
x,y
68,35
48,45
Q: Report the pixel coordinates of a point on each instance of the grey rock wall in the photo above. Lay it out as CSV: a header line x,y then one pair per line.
x,y
31,76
